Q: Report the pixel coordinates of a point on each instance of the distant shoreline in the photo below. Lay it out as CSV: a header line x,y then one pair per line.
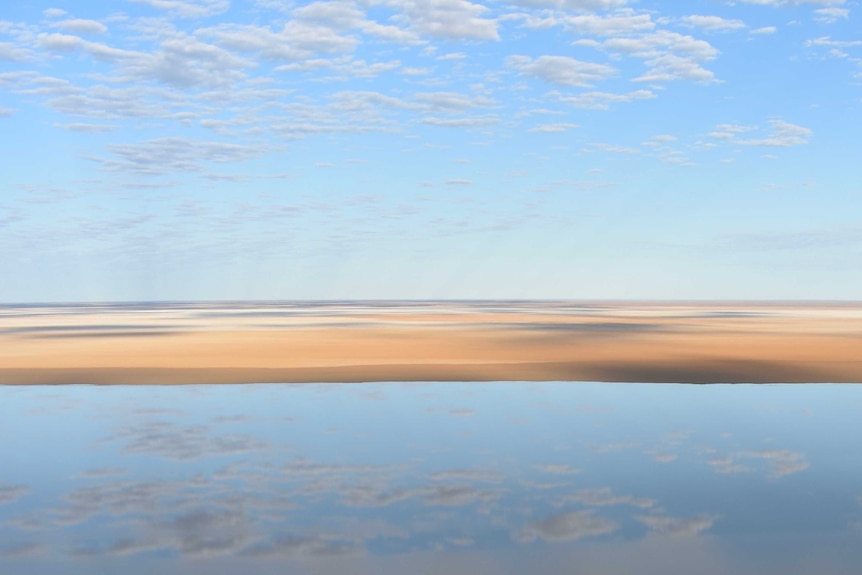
x,y
293,342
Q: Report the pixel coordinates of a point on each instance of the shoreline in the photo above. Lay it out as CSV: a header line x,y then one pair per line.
x,y
433,341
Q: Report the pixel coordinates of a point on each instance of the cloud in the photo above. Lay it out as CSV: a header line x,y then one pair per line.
x,y
620,23
453,19
729,131
168,155
781,3
765,30
712,23
554,128
603,100
11,493
671,67
676,527
831,15
569,526
297,40
436,102
558,469
782,134
87,128
668,55
585,5
81,26
561,70
827,41
471,122
189,8
13,53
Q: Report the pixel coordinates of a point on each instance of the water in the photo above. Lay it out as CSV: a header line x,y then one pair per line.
x,y
431,478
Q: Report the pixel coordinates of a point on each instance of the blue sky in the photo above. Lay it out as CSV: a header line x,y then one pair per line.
x,y
216,149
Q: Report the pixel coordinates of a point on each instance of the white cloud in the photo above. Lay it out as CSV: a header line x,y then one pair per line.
x,y
554,128
435,102
584,5
780,3
672,67
623,22
782,134
87,128
561,70
174,154
603,100
470,122
189,8
296,41
54,13
712,23
669,56
764,30
831,15
11,52
454,19
661,42
827,41
81,26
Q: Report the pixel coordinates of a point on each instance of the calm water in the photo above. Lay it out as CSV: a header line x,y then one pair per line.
x,y
431,478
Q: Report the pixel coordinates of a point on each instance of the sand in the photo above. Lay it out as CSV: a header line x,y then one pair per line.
x,y
431,341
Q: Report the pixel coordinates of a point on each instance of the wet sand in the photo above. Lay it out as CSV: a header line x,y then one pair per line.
x,y
431,341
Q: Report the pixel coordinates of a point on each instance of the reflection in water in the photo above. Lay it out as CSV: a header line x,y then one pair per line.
x,y
430,478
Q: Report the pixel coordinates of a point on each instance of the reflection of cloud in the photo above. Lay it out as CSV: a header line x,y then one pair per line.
x,y
21,550
99,472
11,493
568,526
456,495
612,447
443,495
726,465
467,475
164,439
781,461
316,546
558,468
674,526
603,496
210,532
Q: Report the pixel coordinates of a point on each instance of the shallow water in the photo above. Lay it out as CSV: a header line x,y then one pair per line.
x,y
431,478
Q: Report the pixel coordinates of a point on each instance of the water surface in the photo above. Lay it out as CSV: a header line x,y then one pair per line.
x,y
431,478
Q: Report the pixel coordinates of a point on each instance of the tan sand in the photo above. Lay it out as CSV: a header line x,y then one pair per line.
x,y
242,343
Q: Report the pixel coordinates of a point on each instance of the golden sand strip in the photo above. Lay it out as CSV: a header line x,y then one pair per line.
x,y
622,343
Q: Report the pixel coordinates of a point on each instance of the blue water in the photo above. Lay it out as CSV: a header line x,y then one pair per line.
x,y
431,478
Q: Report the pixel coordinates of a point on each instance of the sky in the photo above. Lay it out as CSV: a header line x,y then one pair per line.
x,y
423,149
